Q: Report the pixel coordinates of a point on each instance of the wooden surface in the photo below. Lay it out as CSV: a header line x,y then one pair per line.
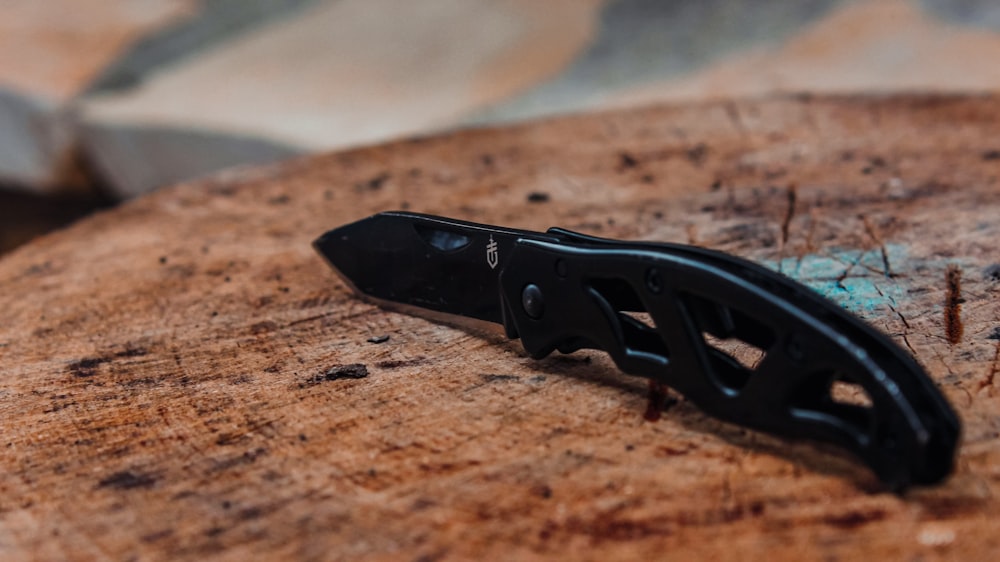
x,y
180,375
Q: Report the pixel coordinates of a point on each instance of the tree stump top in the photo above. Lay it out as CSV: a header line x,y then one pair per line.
x,y
181,376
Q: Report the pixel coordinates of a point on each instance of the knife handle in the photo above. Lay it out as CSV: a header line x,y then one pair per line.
x,y
666,312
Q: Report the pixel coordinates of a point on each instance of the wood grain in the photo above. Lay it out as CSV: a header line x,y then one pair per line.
x,y
181,376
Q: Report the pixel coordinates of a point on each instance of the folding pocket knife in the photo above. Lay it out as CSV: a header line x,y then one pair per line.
x,y
663,311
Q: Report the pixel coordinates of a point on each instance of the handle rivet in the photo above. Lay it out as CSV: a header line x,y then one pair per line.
x,y
795,350
561,269
532,301
653,281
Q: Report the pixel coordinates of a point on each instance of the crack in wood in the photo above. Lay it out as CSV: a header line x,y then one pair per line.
x,y
987,381
953,305
870,230
789,214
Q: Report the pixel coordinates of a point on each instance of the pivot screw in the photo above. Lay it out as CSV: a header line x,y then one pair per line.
x,y
532,301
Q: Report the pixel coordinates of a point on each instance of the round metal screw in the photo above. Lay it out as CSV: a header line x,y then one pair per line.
x,y
532,301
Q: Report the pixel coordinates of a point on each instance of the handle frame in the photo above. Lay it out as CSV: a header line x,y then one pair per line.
x,y
583,292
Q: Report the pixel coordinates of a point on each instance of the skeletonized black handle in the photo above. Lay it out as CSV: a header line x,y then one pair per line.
x,y
578,292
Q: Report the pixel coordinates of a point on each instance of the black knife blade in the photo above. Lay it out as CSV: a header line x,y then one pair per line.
x,y
564,291
442,265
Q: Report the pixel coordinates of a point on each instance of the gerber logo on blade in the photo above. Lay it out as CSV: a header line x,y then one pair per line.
x,y
492,255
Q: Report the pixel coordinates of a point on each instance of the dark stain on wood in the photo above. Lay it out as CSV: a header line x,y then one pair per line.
x,y
132,352
139,382
992,272
375,183
953,305
610,527
337,372
128,480
248,457
86,367
874,163
249,513
542,491
626,161
697,153
948,506
397,363
263,327
538,197
854,519
488,377
659,401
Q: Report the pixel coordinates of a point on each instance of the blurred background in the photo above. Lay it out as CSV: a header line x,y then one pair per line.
x,y
103,100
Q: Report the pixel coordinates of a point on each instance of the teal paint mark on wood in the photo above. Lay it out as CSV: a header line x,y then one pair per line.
x,y
855,279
